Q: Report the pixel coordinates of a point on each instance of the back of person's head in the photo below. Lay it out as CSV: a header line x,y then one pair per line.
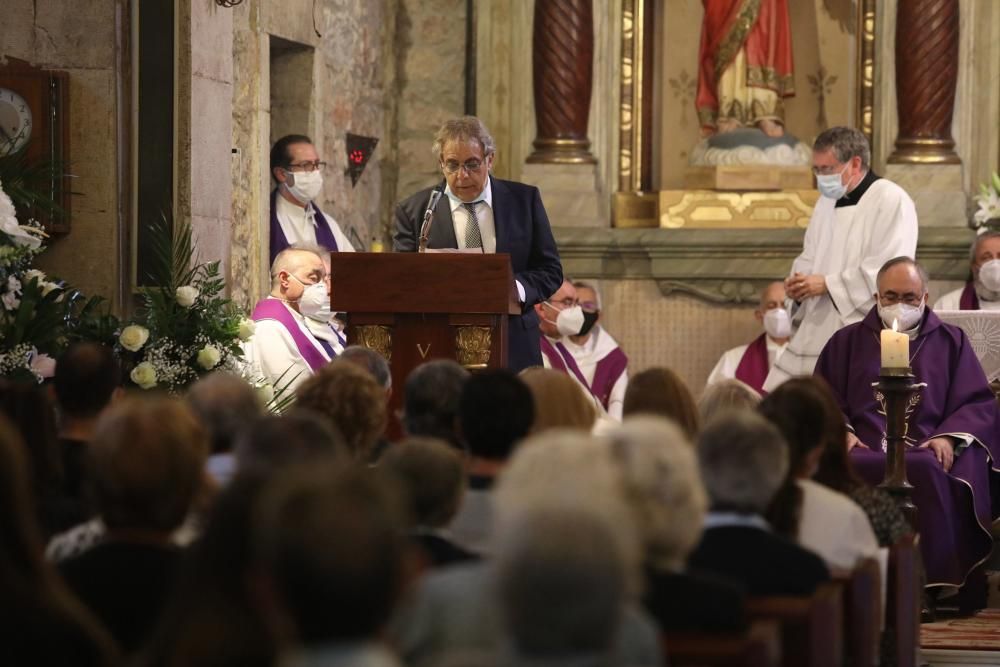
x,y
298,436
371,361
147,458
568,469
32,413
430,400
561,583
560,401
495,411
660,391
225,404
87,375
725,396
20,538
431,472
664,486
351,399
743,460
330,544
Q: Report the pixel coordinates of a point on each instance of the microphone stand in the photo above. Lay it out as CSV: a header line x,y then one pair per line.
x,y
425,227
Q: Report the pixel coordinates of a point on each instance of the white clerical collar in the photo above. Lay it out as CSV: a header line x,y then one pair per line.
x,y
486,197
727,519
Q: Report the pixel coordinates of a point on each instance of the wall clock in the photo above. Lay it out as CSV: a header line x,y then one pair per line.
x,y
34,118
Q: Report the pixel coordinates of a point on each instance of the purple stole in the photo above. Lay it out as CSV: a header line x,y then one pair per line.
x,y
324,234
606,374
753,367
968,300
272,309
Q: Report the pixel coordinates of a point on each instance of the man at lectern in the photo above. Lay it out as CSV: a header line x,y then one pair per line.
x,y
495,216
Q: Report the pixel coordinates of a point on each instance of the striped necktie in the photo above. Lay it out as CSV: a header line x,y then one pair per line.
x,y
473,237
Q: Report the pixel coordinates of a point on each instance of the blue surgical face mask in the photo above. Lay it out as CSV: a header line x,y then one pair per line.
x,y
832,185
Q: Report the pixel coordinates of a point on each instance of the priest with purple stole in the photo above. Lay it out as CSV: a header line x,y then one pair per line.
x,y
295,217
954,430
283,350
982,291
567,334
751,363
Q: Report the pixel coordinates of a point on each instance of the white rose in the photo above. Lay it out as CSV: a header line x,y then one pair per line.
x,y
247,329
34,273
133,337
48,287
208,357
265,393
144,375
187,295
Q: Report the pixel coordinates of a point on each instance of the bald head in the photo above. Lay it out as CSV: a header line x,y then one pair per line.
x,y
304,264
772,296
901,279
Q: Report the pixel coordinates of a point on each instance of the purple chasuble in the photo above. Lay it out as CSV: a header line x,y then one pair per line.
x,y
324,233
954,509
753,367
606,373
272,309
969,299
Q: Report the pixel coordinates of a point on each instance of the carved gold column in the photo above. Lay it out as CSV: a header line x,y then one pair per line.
x,y
562,64
926,78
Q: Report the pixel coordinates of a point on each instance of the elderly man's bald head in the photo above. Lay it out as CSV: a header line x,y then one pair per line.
x,y
296,260
902,275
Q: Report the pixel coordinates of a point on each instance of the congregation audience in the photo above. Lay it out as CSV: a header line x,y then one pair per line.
x,y
724,396
559,401
430,400
224,404
660,391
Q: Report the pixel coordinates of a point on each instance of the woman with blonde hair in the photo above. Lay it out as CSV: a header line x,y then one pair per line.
x,y
559,400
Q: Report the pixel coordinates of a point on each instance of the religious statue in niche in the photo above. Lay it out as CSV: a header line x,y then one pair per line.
x,y
745,72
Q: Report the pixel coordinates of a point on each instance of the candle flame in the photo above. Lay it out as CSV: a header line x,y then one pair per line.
x,y
895,325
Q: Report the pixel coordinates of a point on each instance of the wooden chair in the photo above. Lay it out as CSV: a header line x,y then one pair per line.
x,y
863,614
902,618
811,627
759,646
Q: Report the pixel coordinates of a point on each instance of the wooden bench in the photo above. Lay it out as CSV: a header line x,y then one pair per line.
x,y
903,599
811,627
759,646
863,614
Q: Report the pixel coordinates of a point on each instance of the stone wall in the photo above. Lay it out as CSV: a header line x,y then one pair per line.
x,y
47,33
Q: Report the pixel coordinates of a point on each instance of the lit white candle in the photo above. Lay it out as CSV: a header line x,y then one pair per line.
x,y
895,348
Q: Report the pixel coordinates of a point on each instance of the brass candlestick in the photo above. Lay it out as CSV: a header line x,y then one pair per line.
x,y
898,395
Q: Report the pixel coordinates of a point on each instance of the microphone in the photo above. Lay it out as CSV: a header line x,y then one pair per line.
x,y
425,227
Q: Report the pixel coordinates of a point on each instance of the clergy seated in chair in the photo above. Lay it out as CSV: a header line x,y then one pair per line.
x,y
743,461
953,433
751,363
982,291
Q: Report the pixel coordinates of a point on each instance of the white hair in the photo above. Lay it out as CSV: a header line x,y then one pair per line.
x,y
664,486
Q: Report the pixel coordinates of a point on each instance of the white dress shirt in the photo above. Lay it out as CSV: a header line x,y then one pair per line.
x,y
834,526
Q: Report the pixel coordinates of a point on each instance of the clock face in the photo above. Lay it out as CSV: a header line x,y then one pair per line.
x,y
15,121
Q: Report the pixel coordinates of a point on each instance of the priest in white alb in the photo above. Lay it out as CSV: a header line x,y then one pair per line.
x,y
860,222
982,291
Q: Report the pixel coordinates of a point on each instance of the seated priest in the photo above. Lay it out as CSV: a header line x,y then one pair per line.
x,y
751,363
561,318
953,432
315,306
283,350
982,291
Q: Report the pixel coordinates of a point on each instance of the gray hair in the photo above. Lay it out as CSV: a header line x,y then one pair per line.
x,y
464,128
371,361
729,394
561,589
664,486
846,143
974,248
288,260
591,285
744,460
431,397
925,278
224,404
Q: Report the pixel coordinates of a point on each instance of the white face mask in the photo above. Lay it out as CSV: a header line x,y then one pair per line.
x,y
989,275
832,185
777,323
315,303
569,321
308,185
905,315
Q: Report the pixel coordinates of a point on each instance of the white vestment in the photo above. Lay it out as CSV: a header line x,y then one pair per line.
x,y
299,224
274,356
726,367
325,332
847,245
952,301
599,345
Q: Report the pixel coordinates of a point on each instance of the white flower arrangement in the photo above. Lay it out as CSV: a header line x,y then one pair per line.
x,y
133,337
187,295
988,201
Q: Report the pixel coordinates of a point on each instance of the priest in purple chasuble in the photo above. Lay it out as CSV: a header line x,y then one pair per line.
x,y
982,291
751,363
954,431
283,350
296,218
603,371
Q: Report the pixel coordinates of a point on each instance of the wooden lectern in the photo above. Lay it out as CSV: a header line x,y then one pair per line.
x,y
414,307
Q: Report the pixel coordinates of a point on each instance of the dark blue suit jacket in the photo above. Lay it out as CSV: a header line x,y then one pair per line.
x,y
522,231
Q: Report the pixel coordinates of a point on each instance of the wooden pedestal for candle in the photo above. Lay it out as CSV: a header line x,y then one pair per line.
x,y
898,394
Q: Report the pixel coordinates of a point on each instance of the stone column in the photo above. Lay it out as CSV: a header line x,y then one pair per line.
x,y
563,55
927,40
